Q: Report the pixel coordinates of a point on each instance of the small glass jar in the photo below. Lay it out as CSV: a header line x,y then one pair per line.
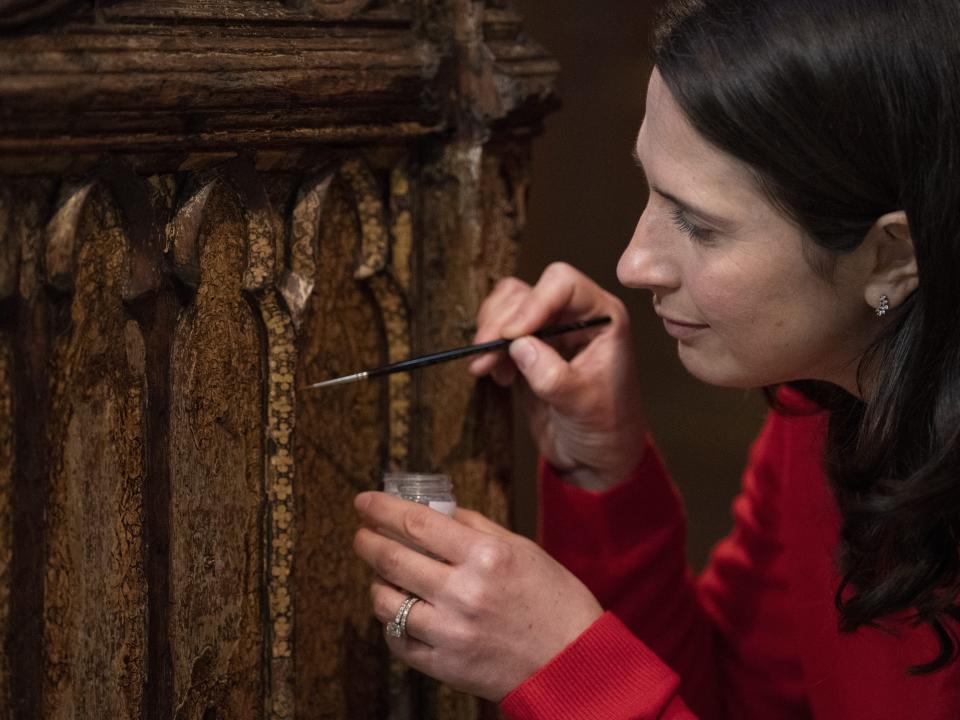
x,y
431,489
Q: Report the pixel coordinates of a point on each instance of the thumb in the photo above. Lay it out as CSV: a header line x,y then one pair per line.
x,y
549,376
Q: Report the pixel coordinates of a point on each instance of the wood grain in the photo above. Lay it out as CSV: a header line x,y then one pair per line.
x,y
216,481
222,74
339,448
94,590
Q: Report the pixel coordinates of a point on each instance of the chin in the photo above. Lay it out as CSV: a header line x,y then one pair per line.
x,y
721,372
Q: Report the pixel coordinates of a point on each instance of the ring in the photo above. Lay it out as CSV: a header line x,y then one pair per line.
x,y
398,626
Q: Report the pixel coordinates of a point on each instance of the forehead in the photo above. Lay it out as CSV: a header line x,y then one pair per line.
x,y
675,155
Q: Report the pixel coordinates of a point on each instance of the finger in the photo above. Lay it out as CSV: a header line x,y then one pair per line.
x,y
561,292
479,522
417,655
504,372
422,619
401,565
416,524
500,303
548,375
499,366
415,648
498,307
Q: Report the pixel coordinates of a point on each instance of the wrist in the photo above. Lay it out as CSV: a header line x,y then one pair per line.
x,y
599,480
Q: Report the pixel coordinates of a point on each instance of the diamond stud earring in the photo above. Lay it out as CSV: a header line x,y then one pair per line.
x,y
883,306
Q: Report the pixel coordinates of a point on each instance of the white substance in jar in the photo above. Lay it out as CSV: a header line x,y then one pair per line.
x,y
431,489
435,490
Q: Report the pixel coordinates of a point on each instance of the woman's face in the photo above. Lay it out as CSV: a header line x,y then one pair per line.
x,y
730,274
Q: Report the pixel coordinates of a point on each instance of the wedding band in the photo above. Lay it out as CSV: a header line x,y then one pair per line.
x,y
398,626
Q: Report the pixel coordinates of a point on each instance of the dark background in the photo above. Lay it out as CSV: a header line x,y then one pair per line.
x,y
587,195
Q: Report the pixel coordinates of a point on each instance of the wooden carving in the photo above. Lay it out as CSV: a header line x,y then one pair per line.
x,y
204,207
94,609
335,9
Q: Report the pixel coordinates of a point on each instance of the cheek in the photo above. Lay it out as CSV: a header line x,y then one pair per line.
x,y
752,323
732,302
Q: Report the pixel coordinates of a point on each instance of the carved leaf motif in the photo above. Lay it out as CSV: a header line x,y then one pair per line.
x,y
374,244
62,236
300,279
182,235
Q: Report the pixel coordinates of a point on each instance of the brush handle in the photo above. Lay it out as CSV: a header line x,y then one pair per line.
x,y
445,355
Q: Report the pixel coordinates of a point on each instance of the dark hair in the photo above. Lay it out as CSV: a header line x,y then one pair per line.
x,y
847,110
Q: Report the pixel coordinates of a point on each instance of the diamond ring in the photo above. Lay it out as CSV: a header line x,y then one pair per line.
x,y
398,626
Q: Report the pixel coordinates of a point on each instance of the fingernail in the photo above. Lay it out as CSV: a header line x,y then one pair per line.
x,y
523,352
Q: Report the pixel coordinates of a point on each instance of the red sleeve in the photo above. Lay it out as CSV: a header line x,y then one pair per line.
x,y
723,642
597,677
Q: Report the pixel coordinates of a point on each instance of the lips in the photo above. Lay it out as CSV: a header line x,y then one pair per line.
x,y
681,329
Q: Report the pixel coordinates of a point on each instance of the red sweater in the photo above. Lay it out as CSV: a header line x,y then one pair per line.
x,y
754,637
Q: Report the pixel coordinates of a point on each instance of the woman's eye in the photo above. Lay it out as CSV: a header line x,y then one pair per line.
x,y
696,232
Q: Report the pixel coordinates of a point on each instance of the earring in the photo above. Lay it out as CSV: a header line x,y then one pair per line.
x,y
883,306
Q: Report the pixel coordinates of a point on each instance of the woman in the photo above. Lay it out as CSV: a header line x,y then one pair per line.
x,y
802,234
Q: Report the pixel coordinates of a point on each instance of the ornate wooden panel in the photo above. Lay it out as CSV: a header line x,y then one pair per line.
x,y
203,206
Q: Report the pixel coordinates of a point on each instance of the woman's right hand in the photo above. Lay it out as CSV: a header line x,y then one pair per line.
x,y
581,392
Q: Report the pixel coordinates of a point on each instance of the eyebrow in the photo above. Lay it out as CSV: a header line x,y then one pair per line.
x,y
687,207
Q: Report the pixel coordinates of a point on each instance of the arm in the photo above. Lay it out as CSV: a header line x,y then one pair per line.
x,y
727,636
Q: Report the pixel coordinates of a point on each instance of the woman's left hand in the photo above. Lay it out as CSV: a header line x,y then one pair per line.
x,y
494,612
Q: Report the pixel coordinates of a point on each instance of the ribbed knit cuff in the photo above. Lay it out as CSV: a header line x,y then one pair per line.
x,y
605,674
620,517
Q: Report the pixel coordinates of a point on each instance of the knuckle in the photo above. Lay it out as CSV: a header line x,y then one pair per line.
x,y
378,599
618,311
473,598
549,380
507,284
361,543
463,637
387,563
483,313
415,523
496,556
492,556
617,308
557,268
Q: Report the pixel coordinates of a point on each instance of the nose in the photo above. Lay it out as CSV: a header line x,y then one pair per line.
x,y
647,263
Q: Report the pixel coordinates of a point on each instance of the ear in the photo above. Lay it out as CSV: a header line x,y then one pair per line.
x,y
894,265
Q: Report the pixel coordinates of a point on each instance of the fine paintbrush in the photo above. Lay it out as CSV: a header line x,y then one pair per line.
x,y
445,355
